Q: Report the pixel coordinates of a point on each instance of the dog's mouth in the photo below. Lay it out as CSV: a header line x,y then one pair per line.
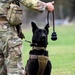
x,y
43,39
41,42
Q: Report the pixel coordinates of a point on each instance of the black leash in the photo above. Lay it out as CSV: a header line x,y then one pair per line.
x,y
53,22
54,35
48,18
27,41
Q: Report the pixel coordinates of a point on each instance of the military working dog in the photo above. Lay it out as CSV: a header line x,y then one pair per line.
x,y
38,62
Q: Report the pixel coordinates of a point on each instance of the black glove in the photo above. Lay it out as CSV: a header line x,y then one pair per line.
x,y
21,35
19,32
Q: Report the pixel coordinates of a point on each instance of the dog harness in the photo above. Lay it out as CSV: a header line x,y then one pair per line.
x,y
42,60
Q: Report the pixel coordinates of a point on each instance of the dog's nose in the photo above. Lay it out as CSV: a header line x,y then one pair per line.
x,y
43,37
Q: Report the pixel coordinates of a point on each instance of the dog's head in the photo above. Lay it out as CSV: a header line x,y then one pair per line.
x,y
39,37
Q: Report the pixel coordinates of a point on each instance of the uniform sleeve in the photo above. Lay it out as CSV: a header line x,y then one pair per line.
x,y
34,4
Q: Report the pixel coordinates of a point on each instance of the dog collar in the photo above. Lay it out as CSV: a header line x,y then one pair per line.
x,y
39,48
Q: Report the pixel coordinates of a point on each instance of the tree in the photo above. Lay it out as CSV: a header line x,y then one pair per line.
x,y
72,12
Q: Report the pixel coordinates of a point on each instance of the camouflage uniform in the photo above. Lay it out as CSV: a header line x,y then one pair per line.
x,y
10,43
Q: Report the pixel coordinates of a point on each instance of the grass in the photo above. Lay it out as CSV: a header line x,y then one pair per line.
x,y
61,52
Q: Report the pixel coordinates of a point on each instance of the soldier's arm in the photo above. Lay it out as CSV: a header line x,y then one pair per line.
x,y
37,5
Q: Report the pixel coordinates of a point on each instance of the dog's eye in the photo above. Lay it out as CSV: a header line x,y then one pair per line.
x,y
45,31
39,30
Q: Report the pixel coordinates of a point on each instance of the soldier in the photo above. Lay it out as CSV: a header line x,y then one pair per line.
x,y
11,34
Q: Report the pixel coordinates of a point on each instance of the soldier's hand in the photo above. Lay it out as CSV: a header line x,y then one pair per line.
x,y
50,6
21,35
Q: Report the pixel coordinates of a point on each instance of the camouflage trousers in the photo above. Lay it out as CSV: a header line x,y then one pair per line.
x,y
10,53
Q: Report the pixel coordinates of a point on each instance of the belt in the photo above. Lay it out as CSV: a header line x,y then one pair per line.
x,y
3,18
3,22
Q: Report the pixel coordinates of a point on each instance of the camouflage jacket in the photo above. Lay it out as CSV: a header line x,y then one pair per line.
x,y
33,4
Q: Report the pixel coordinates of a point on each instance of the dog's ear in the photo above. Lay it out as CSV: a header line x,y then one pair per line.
x,y
34,27
47,28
